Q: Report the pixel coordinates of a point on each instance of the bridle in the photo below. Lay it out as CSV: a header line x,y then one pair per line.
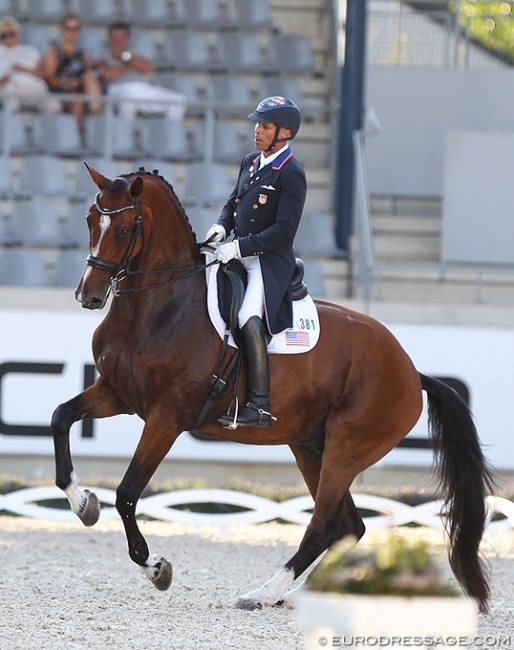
x,y
120,271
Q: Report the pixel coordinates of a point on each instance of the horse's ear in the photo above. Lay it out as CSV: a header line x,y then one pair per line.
x,y
136,187
97,178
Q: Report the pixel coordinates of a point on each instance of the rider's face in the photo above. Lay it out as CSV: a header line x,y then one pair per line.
x,y
264,132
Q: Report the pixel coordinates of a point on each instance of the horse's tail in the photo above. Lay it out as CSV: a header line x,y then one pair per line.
x,y
465,480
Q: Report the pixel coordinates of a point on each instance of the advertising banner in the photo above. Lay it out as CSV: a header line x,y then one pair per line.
x,y
46,359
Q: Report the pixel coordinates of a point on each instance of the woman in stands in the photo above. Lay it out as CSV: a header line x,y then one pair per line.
x,y
68,69
21,68
264,212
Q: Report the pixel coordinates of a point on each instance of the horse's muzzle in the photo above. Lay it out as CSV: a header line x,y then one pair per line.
x,y
93,303
90,300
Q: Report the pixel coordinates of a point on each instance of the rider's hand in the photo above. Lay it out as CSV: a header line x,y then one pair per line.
x,y
218,231
227,252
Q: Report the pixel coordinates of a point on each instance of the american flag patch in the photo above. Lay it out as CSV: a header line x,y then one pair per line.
x,y
298,338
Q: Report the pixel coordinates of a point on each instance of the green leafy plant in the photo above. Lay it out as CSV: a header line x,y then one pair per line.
x,y
396,567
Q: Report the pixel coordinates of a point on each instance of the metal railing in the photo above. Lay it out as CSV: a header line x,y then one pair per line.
x,y
205,111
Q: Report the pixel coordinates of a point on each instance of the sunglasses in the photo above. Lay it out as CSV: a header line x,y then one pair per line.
x,y
7,34
72,28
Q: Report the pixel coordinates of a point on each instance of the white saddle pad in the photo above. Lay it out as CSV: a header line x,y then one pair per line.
x,y
302,337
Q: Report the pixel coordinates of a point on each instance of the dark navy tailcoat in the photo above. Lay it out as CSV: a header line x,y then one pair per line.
x,y
264,211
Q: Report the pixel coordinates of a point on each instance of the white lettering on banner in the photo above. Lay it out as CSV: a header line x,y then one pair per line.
x,y
45,359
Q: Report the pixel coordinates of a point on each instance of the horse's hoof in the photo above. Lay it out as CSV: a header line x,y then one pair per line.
x,y
161,574
249,604
89,512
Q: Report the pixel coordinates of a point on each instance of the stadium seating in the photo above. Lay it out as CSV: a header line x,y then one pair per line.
x,y
23,267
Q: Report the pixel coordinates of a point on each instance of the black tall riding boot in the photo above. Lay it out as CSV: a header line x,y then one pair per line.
x,y
256,412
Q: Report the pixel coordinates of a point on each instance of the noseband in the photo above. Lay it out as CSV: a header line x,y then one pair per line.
x,y
118,270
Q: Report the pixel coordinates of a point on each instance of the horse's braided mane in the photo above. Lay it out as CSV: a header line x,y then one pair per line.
x,y
155,172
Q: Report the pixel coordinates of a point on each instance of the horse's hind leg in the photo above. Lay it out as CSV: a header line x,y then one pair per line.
x,y
97,401
155,443
340,518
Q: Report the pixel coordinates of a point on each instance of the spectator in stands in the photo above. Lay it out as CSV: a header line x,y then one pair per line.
x,y
21,68
264,212
68,69
125,75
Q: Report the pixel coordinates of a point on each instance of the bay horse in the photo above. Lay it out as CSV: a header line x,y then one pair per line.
x,y
340,407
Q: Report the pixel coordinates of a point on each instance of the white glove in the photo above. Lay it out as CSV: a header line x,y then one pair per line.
x,y
218,231
228,251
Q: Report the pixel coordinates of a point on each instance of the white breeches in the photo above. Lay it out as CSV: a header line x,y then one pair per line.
x,y
150,99
253,302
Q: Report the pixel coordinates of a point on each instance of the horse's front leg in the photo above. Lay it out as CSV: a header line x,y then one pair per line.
x,y
158,436
97,401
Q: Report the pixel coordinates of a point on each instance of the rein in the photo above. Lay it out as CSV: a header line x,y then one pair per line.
x,y
121,271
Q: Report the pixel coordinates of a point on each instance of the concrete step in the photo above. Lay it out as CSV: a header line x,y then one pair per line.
x,y
385,224
396,205
407,248
439,286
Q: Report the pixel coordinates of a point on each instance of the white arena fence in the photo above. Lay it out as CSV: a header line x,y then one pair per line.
x,y
175,506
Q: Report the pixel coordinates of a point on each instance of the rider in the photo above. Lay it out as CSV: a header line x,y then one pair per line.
x,y
264,212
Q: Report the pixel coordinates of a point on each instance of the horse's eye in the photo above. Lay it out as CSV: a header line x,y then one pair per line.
x,y
122,233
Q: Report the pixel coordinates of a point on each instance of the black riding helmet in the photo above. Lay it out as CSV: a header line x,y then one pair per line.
x,y
282,112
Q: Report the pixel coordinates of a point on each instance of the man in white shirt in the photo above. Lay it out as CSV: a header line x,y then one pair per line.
x,y
125,75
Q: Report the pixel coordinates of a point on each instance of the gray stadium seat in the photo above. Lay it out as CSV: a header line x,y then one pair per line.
x,y
187,50
43,174
290,53
17,131
185,84
35,34
143,42
227,146
97,11
166,139
248,14
314,279
57,133
7,189
122,143
150,12
35,222
45,10
6,8
316,235
201,219
93,39
206,183
239,51
198,13
69,267
5,235
231,92
23,267
77,232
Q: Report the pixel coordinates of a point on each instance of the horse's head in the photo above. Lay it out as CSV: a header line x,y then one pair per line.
x,y
115,229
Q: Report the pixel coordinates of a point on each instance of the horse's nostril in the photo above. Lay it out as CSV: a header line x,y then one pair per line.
x,y
93,303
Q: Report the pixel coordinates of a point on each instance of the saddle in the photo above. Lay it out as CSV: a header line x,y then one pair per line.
x,y
231,283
